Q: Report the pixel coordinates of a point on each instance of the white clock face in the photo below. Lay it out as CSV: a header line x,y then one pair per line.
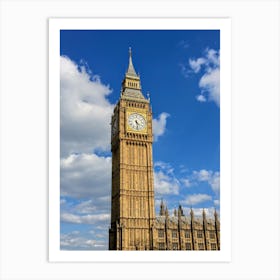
x,y
136,121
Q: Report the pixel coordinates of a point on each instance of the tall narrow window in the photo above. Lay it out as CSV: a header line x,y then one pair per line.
x,y
188,246
212,234
199,234
174,246
187,234
160,233
200,246
174,233
213,246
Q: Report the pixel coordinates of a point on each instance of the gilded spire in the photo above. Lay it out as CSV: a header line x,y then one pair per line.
x,y
131,70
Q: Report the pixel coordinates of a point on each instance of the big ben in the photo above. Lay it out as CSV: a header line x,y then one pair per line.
x,y
132,197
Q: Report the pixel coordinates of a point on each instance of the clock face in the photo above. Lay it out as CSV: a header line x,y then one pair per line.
x,y
136,121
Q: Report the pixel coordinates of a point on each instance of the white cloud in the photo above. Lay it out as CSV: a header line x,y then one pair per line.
x,y
85,176
73,241
209,176
84,219
202,175
87,179
159,125
215,182
213,57
164,166
86,207
186,182
209,83
165,183
85,111
196,64
201,98
216,202
194,199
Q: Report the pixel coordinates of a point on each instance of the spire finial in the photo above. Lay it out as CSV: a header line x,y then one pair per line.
x,y
203,214
192,214
215,213
130,70
161,212
130,56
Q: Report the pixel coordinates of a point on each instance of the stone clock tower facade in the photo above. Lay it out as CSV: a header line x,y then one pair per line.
x,y
132,201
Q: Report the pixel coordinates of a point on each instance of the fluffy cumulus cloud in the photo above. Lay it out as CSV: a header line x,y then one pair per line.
x,y
164,179
85,189
165,184
85,110
159,125
209,176
84,219
195,188
75,241
201,98
90,217
85,176
194,199
196,64
216,202
186,182
209,83
212,178
86,207
203,175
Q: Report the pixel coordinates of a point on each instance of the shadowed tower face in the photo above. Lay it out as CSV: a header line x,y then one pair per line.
x,y
132,201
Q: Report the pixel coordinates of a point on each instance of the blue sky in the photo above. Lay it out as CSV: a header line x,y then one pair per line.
x,y
180,70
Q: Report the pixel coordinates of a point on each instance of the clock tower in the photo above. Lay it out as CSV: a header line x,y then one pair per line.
x,y
132,200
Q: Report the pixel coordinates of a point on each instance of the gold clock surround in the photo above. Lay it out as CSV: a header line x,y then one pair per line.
x,y
139,112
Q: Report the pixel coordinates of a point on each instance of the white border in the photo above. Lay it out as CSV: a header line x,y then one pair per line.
x,y
55,25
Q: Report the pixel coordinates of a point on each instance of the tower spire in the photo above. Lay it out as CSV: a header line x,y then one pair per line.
x,y
161,212
130,70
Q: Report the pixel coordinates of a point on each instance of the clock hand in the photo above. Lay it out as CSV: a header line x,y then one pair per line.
x,y
136,123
